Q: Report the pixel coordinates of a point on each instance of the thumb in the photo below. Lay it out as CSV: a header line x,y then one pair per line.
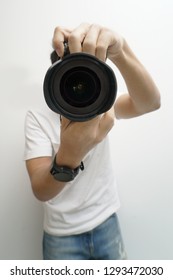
x,y
65,122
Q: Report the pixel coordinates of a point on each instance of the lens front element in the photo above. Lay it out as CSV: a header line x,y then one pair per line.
x,y
80,87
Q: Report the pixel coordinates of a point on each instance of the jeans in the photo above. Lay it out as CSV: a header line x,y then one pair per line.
x,y
102,243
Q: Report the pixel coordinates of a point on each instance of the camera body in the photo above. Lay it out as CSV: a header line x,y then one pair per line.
x,y
80,87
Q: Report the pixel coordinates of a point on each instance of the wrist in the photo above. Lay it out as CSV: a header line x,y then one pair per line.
x,y
62,159
124,52
64,173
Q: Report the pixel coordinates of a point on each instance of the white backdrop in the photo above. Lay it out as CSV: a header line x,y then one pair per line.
x,y
141,148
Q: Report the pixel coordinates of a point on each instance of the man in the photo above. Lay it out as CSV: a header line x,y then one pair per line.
x,y
80,215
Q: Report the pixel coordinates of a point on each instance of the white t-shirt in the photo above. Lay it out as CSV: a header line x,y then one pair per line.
x,y
91,197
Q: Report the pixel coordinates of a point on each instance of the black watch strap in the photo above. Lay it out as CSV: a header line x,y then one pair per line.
x,y
64,173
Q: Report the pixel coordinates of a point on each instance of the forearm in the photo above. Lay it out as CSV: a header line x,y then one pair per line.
x,y
141,88
44,186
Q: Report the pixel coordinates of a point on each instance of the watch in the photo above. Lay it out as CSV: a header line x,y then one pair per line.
x,y
64,173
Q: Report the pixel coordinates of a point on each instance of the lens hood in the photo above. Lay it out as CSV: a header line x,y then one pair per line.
x,y
80,87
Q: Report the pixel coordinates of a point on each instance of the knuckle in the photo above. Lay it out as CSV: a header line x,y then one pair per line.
x,y
105,30
85,24
55,41
73,37
100,47
96,26
57,29
87,45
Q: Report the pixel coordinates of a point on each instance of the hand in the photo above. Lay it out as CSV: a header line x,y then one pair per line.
x,y
93,39
78,138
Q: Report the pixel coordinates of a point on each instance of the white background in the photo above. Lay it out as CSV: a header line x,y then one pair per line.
x,y
141,148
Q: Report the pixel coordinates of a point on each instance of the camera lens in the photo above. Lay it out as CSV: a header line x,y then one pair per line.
x,y
80,87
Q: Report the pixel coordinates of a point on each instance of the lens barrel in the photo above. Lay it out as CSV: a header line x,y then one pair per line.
x,y
80,87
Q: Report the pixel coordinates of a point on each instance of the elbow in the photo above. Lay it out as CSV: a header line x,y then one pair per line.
x,y
156,104
153,104
39,194
40,197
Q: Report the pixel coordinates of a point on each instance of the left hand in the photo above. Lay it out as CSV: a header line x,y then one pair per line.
x,y
78,138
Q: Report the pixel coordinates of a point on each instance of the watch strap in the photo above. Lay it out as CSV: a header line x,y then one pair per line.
x,y
65,173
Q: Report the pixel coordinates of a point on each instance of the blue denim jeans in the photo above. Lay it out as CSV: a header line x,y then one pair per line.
x,y
102,243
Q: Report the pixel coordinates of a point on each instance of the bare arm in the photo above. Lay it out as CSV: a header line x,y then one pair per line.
x,y
76,140
144,95
43,184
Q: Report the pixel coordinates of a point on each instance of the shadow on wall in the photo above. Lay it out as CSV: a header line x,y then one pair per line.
x,y
21,215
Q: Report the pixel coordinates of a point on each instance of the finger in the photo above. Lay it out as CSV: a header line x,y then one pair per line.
x,y
103,43
76,37
61,34
90,41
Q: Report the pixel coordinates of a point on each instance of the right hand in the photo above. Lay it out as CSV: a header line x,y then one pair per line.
x,y
78,138
89,38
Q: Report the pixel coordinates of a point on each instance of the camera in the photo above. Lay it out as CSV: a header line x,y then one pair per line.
x,y
79,87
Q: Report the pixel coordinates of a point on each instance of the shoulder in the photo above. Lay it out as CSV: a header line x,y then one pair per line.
x,y
42,122
43,117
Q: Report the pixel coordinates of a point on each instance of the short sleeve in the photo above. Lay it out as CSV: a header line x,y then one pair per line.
x,y
37,141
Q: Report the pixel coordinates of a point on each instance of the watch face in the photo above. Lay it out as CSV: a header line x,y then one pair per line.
x,y
63,173
63,177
